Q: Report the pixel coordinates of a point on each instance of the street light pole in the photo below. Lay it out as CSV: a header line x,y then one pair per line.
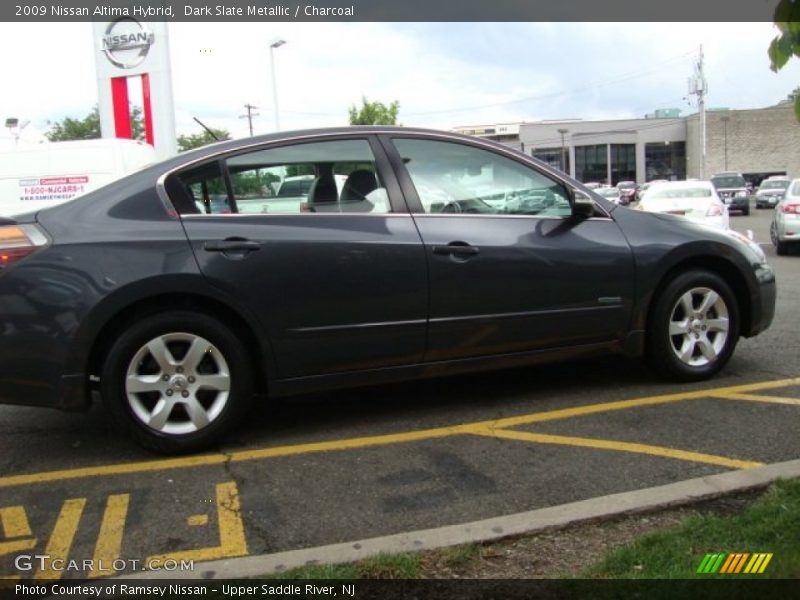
x,y
275,44
563,132
725,120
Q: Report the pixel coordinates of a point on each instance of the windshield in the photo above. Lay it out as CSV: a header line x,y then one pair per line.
x,y
681,192
775,185
728,181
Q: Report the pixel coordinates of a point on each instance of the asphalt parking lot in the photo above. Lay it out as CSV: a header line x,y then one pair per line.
x,y
361,463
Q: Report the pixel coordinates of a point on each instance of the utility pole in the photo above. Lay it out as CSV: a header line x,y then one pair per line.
x,y
698,87
725,120
249,116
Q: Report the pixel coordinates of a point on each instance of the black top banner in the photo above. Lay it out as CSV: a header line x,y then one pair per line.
x,y
395,10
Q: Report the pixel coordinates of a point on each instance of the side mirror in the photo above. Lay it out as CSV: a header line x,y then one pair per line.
x,y
582,205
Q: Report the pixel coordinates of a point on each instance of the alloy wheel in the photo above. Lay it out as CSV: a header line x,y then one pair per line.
x,y
177,383
699,326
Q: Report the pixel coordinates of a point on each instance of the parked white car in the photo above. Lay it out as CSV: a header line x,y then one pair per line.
x,y
785,228
695,200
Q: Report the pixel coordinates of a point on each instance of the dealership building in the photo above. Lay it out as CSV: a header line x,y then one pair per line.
x,y
663,145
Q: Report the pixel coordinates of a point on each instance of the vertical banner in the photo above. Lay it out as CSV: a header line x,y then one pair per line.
x,y
130,52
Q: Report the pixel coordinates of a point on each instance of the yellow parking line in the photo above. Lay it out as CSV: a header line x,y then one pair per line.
x,y
563,440
109,541
61,539
380,440
232,540
759,398
14,521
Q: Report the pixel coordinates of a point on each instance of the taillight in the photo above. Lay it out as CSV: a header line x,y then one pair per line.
x,y
18,241
715,210
790,209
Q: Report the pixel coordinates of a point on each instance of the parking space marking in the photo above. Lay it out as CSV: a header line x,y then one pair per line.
x,y
382,440
232,540
197,520
759,398
563,440
109,540
60,541
14,522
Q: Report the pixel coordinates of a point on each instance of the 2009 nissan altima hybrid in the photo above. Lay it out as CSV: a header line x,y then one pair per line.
x,y
313,260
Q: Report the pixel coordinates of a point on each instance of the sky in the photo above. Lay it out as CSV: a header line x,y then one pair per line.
x,y
443,74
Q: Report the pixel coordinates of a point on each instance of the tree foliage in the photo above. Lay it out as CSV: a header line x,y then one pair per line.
x,y
189,142
787,43
374,113
88,128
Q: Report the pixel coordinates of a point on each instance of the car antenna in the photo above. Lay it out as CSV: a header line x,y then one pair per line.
x,y
209,131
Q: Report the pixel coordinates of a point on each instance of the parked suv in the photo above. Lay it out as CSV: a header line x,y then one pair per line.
x,y
732,190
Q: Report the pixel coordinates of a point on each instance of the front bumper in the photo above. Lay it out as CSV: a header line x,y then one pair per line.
x,y
767,201
762,301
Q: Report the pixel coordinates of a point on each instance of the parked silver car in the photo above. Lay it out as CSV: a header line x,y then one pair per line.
x,y
771,191
785,228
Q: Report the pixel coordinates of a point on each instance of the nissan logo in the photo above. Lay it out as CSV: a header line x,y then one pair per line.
x,y
126,43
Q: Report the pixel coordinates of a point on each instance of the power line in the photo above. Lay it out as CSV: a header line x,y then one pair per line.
x,y
616,79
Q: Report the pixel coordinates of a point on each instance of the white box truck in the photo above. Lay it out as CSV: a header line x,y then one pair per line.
x,y
40,176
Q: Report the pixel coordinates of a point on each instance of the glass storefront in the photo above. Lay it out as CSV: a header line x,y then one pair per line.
x,y
591,163
553,157
623,163
665,160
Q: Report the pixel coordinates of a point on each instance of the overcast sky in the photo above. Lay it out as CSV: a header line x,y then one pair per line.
x,y
443,74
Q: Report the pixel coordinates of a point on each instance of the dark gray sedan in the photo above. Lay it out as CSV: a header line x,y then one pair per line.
x,y
189,291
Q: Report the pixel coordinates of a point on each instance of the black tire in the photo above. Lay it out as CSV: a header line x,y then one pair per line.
x,y
781,248
223,360
746,212
662,348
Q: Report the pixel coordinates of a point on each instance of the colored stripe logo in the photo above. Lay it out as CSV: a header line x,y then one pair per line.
x,y
734,563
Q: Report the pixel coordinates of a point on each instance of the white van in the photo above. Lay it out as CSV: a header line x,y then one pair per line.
x,y
36,177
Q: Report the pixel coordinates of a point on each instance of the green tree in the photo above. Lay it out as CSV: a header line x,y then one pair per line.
x,y
374,113
88,128
188,142
787,44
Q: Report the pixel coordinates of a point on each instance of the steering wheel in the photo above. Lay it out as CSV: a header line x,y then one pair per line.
x,y
452,207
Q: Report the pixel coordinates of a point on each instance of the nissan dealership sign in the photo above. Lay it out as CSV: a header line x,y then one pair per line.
x,y
126,43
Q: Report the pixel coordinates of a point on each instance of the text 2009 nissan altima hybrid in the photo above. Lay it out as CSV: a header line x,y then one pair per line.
x,y
312,260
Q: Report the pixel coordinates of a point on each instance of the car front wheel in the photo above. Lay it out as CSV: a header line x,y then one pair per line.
x,y
694,326
177,381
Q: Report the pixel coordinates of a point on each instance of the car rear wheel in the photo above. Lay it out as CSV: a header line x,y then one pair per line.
x,y
177,381
694,326
781,248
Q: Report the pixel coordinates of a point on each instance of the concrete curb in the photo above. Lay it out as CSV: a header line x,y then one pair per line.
x,y
673,494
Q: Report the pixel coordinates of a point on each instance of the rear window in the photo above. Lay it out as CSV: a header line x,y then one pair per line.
x,y
774,185
728,181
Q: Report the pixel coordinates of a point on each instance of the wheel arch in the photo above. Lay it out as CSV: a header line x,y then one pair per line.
x,y
143,307
718,265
